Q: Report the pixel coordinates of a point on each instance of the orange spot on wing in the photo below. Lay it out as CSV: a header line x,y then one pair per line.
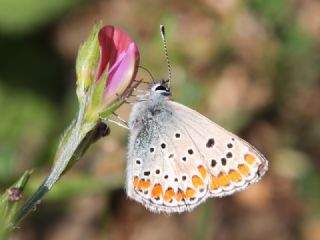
x,y
190,193
249,158
143,184
214,183
168,195
180,195
234,176
157,191
202,171
223,179
135,181
244,169
196,181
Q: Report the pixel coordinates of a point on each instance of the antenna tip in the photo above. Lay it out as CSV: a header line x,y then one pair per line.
x,y
162,31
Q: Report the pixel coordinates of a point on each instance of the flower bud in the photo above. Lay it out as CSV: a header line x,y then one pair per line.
x,y
107,62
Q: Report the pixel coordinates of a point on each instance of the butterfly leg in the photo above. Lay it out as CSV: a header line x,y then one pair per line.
x,y
115,122
121,122
120,119
118,123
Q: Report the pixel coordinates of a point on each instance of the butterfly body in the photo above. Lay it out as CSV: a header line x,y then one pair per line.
x,y
178,158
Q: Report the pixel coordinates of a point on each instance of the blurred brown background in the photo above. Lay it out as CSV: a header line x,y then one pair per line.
x,y
252,66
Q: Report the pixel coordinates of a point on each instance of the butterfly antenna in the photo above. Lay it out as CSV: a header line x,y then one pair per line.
x,y
163,36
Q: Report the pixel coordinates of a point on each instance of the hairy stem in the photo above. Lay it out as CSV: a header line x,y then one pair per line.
x,y
72,147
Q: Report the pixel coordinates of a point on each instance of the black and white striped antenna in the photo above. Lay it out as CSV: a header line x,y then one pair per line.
x,y
163,36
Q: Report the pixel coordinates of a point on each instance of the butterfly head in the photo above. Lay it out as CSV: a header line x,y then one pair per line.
x,y
161,88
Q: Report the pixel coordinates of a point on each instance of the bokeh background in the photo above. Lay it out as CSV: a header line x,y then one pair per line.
x,y
252,66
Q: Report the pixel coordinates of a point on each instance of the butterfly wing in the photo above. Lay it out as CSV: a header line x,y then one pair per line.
x,y
232,163
182,158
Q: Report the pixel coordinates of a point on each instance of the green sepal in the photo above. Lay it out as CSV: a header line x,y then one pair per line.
x,y
95,98
87,62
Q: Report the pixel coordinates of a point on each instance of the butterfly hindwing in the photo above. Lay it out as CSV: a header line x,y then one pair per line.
x,y
232,163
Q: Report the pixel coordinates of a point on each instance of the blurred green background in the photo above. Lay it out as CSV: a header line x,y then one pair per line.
x,y
252,66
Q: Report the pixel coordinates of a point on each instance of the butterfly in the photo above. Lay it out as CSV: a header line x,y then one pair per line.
x,y
177,158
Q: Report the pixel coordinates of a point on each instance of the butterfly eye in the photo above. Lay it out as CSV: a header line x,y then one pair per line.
x,y
161,88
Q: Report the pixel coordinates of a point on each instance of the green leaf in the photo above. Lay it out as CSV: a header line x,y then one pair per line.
x,y
9,202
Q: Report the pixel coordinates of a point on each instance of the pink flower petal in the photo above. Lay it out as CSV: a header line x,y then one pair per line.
x,y
121,56
112,42
121,73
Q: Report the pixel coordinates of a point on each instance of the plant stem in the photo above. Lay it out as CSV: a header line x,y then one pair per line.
x,y
68,149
